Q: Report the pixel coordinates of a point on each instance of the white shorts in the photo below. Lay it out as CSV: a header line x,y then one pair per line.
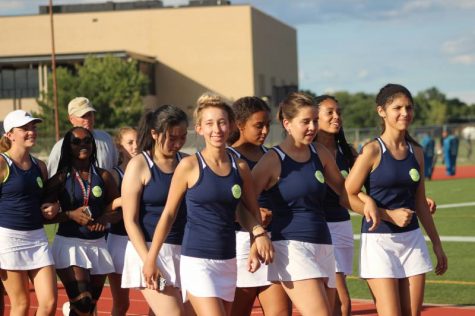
x,y
394,255
244,277
168,262
88,254
116,245
208,277
343,245
24,250
297,260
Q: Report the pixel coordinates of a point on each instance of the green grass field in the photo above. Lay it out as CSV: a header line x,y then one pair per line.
x,y
457,285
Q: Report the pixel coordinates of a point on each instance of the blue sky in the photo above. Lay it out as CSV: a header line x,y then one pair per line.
x,y
360,45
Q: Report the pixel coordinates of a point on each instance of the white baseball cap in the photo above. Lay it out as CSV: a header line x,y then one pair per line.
x,y
18,118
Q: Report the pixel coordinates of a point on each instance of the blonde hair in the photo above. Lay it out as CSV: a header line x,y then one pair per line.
x,y
208,100
5,144
290,106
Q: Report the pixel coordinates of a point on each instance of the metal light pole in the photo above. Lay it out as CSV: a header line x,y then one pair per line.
x,y
53,69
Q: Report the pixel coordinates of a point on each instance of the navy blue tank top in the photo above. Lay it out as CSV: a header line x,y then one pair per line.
x,y
392,185
119,227
334,212
153,200
297,200
72,197
263,199
20,197
211,206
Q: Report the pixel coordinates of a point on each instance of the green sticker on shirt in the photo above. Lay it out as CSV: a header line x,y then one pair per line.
x,y
39,181
236,190
344,173
97,191
415,176
319,176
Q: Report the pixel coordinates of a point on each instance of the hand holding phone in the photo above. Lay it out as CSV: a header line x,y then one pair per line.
x,y
86,210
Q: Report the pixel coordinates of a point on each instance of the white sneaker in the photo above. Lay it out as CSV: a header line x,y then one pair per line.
x,y
66,309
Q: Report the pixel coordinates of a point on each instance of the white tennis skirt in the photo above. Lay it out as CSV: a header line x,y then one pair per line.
x,y
394,255
116,245
168,262
244,277
208,277
297,260
343,245
24,250
87,254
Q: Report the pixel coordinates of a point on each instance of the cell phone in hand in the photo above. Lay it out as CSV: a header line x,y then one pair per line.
x,y
87,211
161,283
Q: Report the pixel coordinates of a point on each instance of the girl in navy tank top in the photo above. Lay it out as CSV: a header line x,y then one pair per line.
x,y
296,173
214,182
247,143
24,250
330,134
162,133
126,143
85,193
391,167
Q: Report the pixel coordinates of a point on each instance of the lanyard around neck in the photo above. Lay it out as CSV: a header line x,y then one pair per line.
x,y
86,193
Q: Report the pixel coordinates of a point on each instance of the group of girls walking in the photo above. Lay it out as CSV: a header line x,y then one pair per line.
x,y
179,242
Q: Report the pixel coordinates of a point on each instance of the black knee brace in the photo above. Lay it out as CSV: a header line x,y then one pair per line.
x,y
84,305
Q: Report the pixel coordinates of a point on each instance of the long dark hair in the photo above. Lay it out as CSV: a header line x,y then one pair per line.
x,y
243,108
386,95
65,160
340,138
160,120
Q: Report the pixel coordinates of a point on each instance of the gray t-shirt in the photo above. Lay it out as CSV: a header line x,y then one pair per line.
x,y
107,156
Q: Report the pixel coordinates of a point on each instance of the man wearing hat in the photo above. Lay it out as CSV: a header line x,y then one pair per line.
x,y
81,113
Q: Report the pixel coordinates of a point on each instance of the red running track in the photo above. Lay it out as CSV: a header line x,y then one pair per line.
x,y
461,172
138,306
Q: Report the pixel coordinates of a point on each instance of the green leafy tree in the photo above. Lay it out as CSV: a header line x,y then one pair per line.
x,y
114,86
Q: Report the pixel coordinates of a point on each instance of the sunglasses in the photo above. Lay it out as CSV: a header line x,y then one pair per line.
x,y
78,141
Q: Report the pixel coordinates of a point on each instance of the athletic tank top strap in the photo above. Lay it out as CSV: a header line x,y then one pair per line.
x,y
234,151
7,159
10,161
201,160
382,145
120,173
313,149
148,159
279,152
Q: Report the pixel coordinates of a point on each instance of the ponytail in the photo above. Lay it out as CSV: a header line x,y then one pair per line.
x,y
5,144
347,150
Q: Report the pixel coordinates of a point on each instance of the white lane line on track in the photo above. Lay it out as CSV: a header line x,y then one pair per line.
x,y
443,238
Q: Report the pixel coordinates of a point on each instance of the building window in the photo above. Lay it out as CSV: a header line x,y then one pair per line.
x,y
19,83
148,70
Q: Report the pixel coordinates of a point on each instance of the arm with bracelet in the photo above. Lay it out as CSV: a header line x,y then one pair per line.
x,y
248,215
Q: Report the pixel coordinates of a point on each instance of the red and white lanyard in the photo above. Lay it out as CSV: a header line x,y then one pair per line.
x,y
85,193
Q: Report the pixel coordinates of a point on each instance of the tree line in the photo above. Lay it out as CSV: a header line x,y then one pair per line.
x,y
432,107
116,88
